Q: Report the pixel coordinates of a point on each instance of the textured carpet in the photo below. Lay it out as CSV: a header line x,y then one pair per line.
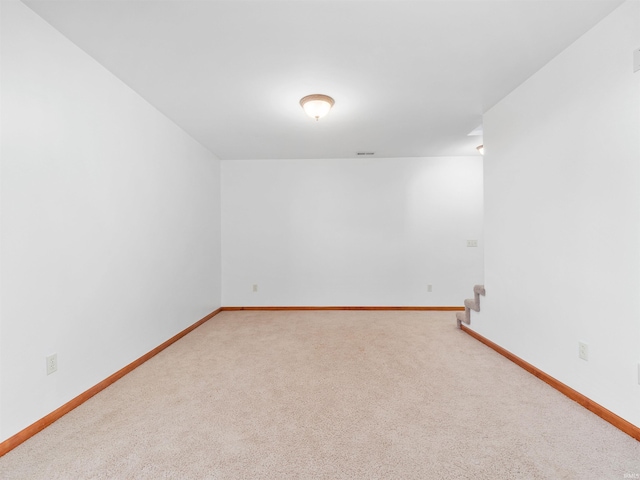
x,y
328,395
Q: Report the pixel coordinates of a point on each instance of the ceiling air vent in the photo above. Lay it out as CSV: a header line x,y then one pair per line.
x,y
364,154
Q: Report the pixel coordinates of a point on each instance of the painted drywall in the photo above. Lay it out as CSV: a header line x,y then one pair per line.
x,y
562,217
110,222
365,232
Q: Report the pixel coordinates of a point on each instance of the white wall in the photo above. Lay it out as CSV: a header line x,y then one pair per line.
x,y
562,216
110,222
351,231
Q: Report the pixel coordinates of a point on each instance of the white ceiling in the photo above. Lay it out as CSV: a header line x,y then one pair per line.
x,y
410,78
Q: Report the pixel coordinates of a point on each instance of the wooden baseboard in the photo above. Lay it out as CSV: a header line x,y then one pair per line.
x,y
417,308
607,415
31,430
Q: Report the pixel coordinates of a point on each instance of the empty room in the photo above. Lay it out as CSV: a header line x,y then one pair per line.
x,y
320,239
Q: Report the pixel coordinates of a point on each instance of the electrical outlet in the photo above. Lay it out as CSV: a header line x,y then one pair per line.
x,y
472,243
255,288
583,351
52,363
429,288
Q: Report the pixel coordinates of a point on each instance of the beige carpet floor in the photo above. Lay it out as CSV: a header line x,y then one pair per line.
x,y
328,395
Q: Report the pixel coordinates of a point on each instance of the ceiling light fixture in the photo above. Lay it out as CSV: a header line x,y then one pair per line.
x,y
317,105
480,149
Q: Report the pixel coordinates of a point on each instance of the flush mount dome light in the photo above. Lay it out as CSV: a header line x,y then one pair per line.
x,y
317,105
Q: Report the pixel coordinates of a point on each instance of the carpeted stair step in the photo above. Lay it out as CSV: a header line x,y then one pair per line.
x,y
470,304
462,317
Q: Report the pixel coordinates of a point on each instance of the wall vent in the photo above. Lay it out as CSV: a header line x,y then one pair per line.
x,y
362,154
